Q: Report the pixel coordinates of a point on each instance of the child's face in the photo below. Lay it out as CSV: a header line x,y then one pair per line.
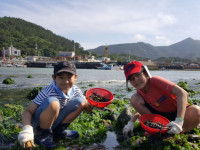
x,y
65,81
138,80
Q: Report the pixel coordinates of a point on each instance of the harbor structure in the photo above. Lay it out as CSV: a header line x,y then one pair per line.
x,y
12,51
66,54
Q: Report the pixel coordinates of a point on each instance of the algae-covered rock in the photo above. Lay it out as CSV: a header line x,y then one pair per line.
x,y
30,76
34,92
125,115
8,81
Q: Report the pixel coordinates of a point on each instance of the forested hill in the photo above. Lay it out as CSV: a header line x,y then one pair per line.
x,y
24,35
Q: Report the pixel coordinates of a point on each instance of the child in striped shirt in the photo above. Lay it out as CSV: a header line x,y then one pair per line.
x,y
54,108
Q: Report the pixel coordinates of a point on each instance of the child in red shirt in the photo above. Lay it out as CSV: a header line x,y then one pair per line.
x,y
159,96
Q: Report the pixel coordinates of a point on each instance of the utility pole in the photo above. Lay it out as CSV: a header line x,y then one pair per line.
x,y
4,57
106,53
37,53
74,52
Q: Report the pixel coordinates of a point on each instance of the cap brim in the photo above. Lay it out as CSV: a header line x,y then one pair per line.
x,y
72,72
135,70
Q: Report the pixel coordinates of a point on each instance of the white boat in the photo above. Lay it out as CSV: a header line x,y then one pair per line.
x,y
104,67
116,67
6,65
20,66
49,66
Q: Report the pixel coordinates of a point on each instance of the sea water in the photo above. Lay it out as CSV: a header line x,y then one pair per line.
x,y
113,80
42,76
106,78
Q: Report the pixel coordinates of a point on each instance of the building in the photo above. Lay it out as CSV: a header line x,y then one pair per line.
x,y
150,64
105,59
12,51
31,58
92,59
66,54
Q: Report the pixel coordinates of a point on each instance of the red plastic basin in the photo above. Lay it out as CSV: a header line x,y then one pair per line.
x,y
153,118
102,93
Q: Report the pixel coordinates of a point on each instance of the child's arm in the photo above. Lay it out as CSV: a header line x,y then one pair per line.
x,y
176,126
130,126
28,112
88,106
135,116
181,95
27,135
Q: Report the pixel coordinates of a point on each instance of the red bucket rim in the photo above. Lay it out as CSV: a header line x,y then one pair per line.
x,y
153,130
96,105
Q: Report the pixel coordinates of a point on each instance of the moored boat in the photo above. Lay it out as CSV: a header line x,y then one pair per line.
x,y
105,67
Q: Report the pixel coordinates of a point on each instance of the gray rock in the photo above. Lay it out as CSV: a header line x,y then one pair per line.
x,y
126,114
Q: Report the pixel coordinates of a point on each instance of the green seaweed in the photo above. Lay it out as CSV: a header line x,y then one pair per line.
x,y
91,84
8,81
92,128
34,92
191,92
30,76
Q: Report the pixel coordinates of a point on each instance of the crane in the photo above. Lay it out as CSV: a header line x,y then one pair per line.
x,y
106,52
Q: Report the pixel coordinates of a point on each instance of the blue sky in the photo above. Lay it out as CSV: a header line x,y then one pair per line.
x,y
93,23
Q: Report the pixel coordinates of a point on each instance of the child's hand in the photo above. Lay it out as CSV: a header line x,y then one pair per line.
x,y
176,126
128,128
88,106
26,135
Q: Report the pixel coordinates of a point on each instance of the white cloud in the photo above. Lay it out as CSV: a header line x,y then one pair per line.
x,y
138,38
166,19
162,40
160,37
92,22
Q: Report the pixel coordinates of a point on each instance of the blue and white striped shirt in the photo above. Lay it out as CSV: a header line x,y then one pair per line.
x,y
53,91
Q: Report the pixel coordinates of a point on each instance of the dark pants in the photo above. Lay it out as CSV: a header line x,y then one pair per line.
x,y
171,116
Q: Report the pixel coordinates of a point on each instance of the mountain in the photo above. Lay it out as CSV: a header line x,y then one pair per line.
x,y
188,48
24,35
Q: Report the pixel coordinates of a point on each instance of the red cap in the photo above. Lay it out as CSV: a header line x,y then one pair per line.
x,y
131,68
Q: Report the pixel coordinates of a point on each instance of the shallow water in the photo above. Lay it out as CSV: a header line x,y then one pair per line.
x,y
112,80
110,141
42,76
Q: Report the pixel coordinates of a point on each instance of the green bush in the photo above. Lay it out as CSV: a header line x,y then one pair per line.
x,y
8,81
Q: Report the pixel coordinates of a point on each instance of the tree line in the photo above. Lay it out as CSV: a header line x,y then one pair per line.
x,y
26,36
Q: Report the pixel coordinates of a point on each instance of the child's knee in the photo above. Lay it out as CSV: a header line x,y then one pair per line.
x,y
76,103
52,103
137,99
55,106
80,101
193,112
52,99
197,112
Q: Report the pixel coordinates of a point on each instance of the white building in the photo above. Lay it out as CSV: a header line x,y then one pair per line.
x,y
92,59
11,51
66,54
